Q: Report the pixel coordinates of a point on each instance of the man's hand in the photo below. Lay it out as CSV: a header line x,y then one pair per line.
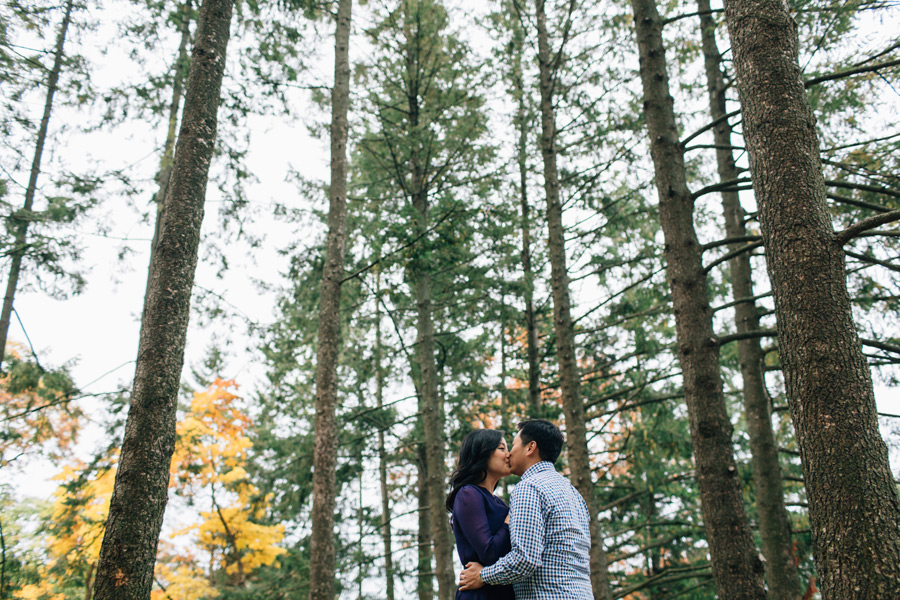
x,y
470,577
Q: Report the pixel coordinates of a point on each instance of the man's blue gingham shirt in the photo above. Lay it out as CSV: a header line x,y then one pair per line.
x,y
551,541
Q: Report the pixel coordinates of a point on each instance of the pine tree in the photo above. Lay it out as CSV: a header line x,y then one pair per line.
x,y
128,552
853,503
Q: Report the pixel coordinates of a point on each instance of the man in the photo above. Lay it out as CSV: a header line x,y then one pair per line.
x,y
549,526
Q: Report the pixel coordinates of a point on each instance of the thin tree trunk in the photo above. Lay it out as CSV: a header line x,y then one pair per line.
x,y
321,565
424,570
433,430
854,509
180,72
534,383
382,455
736,566
573,404
24,217
88,582
775,530
128,551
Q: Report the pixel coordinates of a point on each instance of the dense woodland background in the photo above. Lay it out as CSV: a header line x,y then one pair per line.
x,y
533,209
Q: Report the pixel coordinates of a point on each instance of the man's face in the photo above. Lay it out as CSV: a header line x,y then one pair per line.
x,y
518,455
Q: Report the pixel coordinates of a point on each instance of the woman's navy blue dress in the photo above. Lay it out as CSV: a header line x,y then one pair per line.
x,y
481,536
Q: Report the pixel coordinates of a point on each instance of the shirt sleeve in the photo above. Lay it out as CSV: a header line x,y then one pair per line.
x,y
527,527
471,515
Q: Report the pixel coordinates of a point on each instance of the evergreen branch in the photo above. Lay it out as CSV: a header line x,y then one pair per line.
x,y
863,188
63,400
862,143
872,260
741,301
656,544
746,335
732,254
701,13
895,349
667,576
850,72
359,272
865,225
857,203
732,240
732,185
713,147
708,126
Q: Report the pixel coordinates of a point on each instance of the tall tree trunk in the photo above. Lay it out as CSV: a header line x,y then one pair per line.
x,y
854,509
321,566
521,123
781,572
180,72
128,551
426,366
24,217
433,428
424,570
736,566
382,455
573,404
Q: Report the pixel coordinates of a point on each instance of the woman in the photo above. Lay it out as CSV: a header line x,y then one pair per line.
x,y
480,519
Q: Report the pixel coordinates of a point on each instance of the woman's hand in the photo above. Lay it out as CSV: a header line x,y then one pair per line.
x,y
506,520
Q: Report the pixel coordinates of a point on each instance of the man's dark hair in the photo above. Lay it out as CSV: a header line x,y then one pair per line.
x,y
547,435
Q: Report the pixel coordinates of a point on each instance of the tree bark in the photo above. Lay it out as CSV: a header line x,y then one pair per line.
x,y
573,404
425,580
321,566
775,530
426,366
17,254
854,509
534,383
128,551
382,455
180,69
736,567
432,423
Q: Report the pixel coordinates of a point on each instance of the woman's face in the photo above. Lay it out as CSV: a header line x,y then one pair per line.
x,y
498,463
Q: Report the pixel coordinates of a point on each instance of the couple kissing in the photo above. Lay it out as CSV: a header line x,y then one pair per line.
x,y
539,547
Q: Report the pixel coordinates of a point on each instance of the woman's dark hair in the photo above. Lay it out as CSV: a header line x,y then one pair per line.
x,y
474,454
547,435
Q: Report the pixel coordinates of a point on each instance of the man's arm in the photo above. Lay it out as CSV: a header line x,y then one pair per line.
x,y
527,529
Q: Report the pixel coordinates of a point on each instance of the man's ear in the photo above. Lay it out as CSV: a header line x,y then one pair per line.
x,y
532,449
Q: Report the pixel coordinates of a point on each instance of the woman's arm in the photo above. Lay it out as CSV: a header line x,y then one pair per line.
x,y
471,516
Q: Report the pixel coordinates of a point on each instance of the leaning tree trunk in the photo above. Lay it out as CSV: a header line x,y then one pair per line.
x,y
180,72
24,217
736,567
128,551
321,565
774,527
573,404
854,509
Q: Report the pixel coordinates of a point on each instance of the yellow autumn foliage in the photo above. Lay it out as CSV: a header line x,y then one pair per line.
x,y
85,512
184,582
210,456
